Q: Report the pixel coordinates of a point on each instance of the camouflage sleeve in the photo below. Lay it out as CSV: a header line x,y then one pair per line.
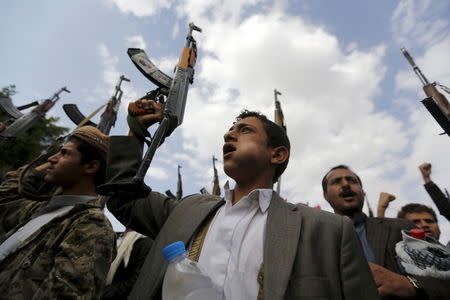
x,y
10,186
14,209
83,260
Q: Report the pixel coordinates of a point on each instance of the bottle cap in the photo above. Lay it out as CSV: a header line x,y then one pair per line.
x,y
173,250
417,233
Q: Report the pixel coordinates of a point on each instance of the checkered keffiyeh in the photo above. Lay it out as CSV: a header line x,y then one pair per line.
x,y
423,257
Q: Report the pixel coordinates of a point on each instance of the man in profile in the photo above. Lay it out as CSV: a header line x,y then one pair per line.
x,y
57,246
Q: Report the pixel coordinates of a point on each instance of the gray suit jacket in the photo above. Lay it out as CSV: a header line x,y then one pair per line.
x,y
308,253
383,235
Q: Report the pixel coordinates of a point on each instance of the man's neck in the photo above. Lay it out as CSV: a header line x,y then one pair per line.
x,y
241,190
82,188
350,215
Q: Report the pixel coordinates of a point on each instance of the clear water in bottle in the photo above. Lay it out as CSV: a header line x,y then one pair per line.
x,y
183,279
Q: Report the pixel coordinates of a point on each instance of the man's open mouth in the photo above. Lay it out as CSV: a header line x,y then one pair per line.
x,y
348,194
228,148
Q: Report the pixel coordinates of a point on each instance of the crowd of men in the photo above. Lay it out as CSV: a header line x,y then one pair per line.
x,y
56,242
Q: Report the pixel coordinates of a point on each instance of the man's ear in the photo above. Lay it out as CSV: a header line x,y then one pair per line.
x,y
279,155
325,196
92,167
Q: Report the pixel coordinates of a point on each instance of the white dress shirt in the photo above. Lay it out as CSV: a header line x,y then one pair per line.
x,y
232,252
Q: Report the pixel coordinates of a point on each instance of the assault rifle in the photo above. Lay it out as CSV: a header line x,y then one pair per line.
x,y
179,188
108,117
9,113
26,121
175,90
179,185
436,103
216,187
279,120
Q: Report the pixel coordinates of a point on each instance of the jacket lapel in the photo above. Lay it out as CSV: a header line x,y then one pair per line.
x,y
178,227
377,234
280,247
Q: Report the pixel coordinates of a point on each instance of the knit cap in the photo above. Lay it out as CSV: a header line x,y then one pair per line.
x,y
93,137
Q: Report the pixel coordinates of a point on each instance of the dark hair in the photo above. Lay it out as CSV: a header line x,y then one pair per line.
x,y
324,179
88,154
415,208
276,136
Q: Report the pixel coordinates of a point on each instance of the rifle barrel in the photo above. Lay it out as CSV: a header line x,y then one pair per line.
x,y
416,69
34,103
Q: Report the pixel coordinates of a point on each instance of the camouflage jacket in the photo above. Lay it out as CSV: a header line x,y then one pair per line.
x,y
68,257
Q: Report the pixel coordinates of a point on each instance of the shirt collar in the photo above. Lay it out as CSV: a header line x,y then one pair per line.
x,y
359,219
263,196
59,201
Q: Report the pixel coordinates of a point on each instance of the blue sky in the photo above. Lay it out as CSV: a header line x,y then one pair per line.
x,y
349,96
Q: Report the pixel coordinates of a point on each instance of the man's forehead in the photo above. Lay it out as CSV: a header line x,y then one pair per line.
x,y
341,172
419,215
69,145
248,120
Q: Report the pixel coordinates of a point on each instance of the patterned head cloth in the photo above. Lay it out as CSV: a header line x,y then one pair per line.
x,y
93,137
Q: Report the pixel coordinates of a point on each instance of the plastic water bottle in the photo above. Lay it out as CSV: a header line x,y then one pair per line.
x,y
184,280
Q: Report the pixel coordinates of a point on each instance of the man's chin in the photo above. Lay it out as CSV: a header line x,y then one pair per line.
x,y
48,178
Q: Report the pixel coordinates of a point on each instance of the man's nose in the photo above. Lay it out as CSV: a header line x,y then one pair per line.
x,y
53,158
423,224
345,184
229,136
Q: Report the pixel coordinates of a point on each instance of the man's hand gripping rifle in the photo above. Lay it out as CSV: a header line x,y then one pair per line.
x,y
175,90
436,103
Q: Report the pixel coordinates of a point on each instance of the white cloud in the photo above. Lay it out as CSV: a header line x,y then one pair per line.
x,y
141,8
109,62
157,173
136,41
418,22
166,64
175,30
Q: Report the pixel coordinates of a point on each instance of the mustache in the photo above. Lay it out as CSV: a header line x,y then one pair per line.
x,y
347,192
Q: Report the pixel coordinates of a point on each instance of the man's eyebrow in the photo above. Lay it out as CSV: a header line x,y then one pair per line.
x,y
240,125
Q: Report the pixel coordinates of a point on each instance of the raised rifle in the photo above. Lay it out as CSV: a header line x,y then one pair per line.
x,y
179,185
9,113
108,117
435,103
175,90
216,186
26,121
279,120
